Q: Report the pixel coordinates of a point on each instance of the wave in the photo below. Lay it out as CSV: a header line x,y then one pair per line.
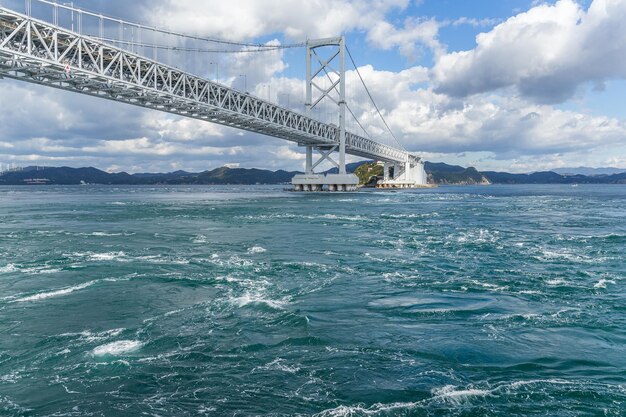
x,y
548,255
107,256
233,261
376,409
8,269
256,249
489,286
120,347
109,234
56,293
199,239
277,365
251,299
293,216
89,336
451,394
478,236
43,269
602,283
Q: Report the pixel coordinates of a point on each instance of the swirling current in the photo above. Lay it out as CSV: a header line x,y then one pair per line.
x,y
249,300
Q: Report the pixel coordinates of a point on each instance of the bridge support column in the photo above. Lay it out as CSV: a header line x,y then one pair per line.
x,y
308,166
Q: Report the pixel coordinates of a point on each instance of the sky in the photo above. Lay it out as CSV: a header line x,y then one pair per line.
x,y
509,85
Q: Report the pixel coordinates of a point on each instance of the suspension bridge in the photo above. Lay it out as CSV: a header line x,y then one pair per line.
x,y
87,59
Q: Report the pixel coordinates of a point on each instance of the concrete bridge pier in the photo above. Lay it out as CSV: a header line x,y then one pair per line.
x,y
410,174
328,182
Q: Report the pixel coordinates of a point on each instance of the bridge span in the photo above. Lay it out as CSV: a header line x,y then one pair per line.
x,y
40,52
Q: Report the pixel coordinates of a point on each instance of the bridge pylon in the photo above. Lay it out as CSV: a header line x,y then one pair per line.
x,y
326,67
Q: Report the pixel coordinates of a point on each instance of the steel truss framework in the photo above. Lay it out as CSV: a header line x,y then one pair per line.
x,y
39,52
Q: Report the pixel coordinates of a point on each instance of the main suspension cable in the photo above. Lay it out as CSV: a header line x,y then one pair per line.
x,y
259,46
372,100
267,48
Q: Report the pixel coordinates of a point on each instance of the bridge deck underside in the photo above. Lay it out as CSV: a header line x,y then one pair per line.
x,y
38,52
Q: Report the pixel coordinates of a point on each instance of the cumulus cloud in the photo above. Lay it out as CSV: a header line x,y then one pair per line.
x,y
546,53
407,39
252,18
298,20
506,124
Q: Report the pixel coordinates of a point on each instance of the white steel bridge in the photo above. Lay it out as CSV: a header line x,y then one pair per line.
x,y
39,52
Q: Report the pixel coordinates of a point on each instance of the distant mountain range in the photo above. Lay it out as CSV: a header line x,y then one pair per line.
x,y
550,177
438,173
589,171
73,176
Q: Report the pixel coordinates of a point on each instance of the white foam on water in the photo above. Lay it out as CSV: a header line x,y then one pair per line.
x,y
409,215
199,239
519,384
8,269
40,270
453,395
393,276
116,279
376,409
277,364
529,292
233,261
56,293
6,404
248,299
256,249
106,234
556,282
548,255
120,347
44,269
203,409
89,336
479,236
602,283
11,378
172,312
107,256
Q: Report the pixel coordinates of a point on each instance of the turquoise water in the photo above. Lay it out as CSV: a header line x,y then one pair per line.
x,y
180,301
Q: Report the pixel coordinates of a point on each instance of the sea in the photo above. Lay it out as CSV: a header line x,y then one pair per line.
x,y
251,300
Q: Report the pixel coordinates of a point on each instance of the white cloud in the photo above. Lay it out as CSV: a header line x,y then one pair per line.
x,y
246,71
546,53
415,32
298,20
253,18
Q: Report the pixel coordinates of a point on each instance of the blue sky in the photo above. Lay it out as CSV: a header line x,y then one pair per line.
x,y
515,85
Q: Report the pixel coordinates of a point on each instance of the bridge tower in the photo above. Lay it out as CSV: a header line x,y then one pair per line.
x,y
336,92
